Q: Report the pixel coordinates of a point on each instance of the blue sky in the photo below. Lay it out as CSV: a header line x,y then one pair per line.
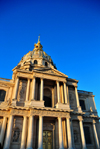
x,y
69,32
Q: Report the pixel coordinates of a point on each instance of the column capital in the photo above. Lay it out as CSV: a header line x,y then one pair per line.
x,y
57,81
80,118
94,121
64,82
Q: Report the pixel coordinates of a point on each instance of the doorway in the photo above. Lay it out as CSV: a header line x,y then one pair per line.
x,y
47,139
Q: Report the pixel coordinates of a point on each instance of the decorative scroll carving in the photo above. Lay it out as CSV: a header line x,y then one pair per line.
x,y
4,113
88,120
19,112
16,134
50,113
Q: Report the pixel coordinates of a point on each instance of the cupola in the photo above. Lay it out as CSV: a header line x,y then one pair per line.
x,y
36,59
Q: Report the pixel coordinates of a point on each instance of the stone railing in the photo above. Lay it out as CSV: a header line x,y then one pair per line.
x,y
85,92
3,79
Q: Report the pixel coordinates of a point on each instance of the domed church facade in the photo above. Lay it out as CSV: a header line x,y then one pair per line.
x,y
41,108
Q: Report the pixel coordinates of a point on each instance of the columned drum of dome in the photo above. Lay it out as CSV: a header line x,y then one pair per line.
x,y
41,108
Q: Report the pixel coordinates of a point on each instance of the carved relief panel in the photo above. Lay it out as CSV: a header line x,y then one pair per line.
x,y
16,133
76,134
22,92
72,98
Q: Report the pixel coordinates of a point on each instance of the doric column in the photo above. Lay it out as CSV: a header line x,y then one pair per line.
x,y
82,134
77,99
3,130
58,92
40,136
94,103
16,89
9,132
27,90
69,133
23,139
33,89
62,94
95,135
41,90
30,133
65,92
60,133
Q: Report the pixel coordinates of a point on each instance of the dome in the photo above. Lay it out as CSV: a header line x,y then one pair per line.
x,y
36,59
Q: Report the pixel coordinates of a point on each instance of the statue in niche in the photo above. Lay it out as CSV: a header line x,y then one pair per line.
x,y
22,90
71,98
16,134
75,136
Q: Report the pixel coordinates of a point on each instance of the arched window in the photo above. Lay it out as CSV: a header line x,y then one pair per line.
x,y
2,95
47,98
35,61
46,64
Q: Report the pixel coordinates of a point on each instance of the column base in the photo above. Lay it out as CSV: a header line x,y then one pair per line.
x,y
36,103
62,106
79,109
27,103
14,101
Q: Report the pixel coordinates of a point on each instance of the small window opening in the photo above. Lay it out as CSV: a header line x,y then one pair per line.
x,y
82,104
87,135
46,64
2,95
35,62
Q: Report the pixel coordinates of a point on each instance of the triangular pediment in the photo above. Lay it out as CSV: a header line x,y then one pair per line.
x,y
50,71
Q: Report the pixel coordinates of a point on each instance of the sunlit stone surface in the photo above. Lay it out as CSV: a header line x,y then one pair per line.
x,y
41,108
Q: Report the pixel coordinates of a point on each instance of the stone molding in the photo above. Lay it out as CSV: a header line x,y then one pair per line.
x,y
34,112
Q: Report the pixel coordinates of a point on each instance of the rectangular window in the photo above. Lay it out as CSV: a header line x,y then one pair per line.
x,y
87,135
82,104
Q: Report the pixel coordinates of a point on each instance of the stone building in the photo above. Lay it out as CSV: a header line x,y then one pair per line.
x,y
41,108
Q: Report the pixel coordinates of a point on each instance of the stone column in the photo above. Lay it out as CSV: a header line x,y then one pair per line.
x,y
95,135
23,139
30,133
9,133
62,94
16,89
65,92
27,90
40,135
58,92
77,99
82,134
60,133
33,89
41,90
3,130
94,103
69,133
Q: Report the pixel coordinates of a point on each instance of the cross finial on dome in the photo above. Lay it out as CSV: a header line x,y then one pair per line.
x,y
39,38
